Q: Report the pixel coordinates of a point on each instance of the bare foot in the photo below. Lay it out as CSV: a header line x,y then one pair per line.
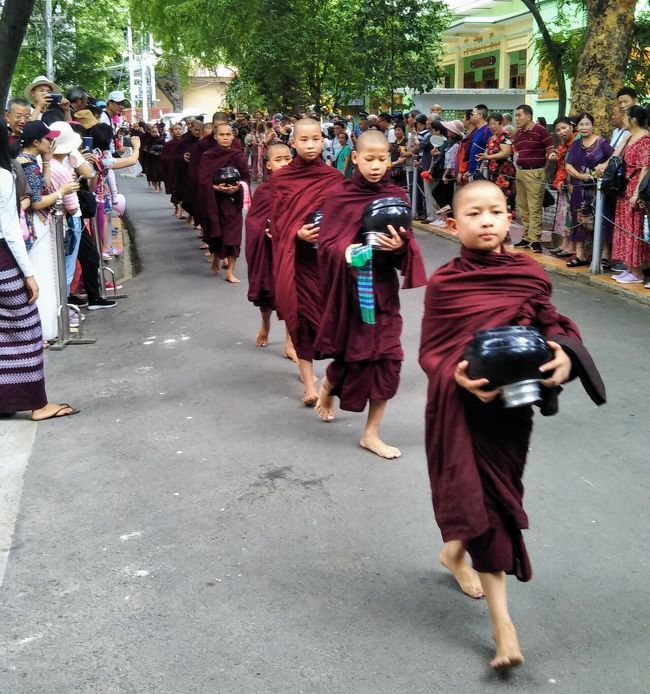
x,y
232,279
53,410
290,352
310,396
508,652
455,562
224,263
375,445
325,405
216,264
262,339
204,247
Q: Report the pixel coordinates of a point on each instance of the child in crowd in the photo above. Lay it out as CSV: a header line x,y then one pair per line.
x,y
476,448
222,216
297,190
366,346
259,253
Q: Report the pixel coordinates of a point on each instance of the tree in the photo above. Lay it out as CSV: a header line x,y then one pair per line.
x,y
13,26
604,57
89,44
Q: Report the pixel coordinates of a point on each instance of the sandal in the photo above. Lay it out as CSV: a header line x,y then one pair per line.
x,y
59,413
565,254
576,262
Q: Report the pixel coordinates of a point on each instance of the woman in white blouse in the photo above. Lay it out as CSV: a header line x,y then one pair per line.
x,y
22,378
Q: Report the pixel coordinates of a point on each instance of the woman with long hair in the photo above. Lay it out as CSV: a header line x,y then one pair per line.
x,y
628,244
564,131
22,376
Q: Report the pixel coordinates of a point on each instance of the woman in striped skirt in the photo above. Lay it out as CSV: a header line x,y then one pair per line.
x,y
22,379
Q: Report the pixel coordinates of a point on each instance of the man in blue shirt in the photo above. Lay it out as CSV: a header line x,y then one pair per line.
x,y
480,137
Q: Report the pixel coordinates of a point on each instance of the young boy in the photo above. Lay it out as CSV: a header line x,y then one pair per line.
x,y
221,204
476,448
259,255
297,190
366,348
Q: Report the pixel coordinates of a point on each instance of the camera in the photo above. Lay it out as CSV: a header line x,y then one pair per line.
x,y
55,98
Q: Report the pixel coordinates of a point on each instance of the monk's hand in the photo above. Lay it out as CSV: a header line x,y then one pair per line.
x,y
267,231
474,386
308,233
560,366
394,242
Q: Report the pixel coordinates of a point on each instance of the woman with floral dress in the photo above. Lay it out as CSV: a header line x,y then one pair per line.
x,y
628,243
564,130
498,156
584,156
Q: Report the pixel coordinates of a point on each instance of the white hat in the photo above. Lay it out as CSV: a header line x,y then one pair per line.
x,y
118,97
67,139
453,126
38,81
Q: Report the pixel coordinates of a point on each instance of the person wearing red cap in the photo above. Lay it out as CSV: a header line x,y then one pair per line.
x,y
35,157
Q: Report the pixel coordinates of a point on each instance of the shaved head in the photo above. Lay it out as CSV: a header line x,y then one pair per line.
x,y
220,117
306,124
276,148
462,193
372,137
207,128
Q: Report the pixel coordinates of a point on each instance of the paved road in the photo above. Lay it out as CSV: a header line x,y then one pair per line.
x,y
196,530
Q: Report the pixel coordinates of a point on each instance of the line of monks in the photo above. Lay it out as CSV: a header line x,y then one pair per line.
x,y
339,298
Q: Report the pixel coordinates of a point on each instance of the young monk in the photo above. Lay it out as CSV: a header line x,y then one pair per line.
x,y
298,190
259,255
222,216
476,448
366,348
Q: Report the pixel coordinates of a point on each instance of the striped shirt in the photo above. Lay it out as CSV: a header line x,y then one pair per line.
x,y
531,146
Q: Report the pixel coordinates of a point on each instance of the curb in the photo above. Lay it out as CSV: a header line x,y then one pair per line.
x,y
555,266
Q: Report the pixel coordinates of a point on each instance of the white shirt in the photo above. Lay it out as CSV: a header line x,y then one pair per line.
x,y
390,135
9,224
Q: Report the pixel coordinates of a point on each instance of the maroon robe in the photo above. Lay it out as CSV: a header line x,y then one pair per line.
x,y
297,190
477,452
221,216
259,252
367,357
186,145
167,165
192,197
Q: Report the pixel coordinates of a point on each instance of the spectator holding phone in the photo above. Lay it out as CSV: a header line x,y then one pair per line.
x,y
42,93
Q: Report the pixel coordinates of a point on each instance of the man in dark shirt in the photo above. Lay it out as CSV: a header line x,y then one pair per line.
x,y
533,144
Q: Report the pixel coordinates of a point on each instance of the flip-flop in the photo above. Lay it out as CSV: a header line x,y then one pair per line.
x,y
59,413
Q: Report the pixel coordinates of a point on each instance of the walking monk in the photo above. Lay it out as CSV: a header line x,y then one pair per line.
x,y
221,204
259,253
364,340
476,448
298,190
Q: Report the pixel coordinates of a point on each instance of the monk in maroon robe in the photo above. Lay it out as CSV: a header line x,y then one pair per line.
x,y
168,165
222,216
367,355
477,448
298,190
182,160
259,252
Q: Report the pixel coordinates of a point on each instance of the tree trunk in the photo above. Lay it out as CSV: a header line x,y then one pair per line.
x,y
13,26
601,71
554,53
171,87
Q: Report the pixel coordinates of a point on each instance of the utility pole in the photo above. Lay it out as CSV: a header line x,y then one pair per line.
x,y
132,92
152,65
143,80
49,48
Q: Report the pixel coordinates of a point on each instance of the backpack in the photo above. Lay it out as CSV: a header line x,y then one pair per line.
x,y
614,177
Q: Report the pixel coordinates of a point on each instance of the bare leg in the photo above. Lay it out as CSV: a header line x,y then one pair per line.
x,y
325,402
262,339
370,437
215,261
310,396
508,652
230,270
452,557
580,250
289,349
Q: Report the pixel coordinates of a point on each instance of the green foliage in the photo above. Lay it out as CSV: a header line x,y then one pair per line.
x,y
89,44
295,54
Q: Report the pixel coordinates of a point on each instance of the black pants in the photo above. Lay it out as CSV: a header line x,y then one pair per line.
x,y
89,261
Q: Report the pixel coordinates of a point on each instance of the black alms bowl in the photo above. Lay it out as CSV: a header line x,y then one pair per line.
x,y
382,212
509,358
315,217
229,175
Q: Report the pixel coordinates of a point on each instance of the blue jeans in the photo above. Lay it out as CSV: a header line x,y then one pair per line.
x,y
72,248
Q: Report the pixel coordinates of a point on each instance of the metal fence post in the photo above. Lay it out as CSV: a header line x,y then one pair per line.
x,y
103,268
64,338
597,248
414,193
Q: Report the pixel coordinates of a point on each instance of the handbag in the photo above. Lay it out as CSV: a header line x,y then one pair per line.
x,y
614,177
549,200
